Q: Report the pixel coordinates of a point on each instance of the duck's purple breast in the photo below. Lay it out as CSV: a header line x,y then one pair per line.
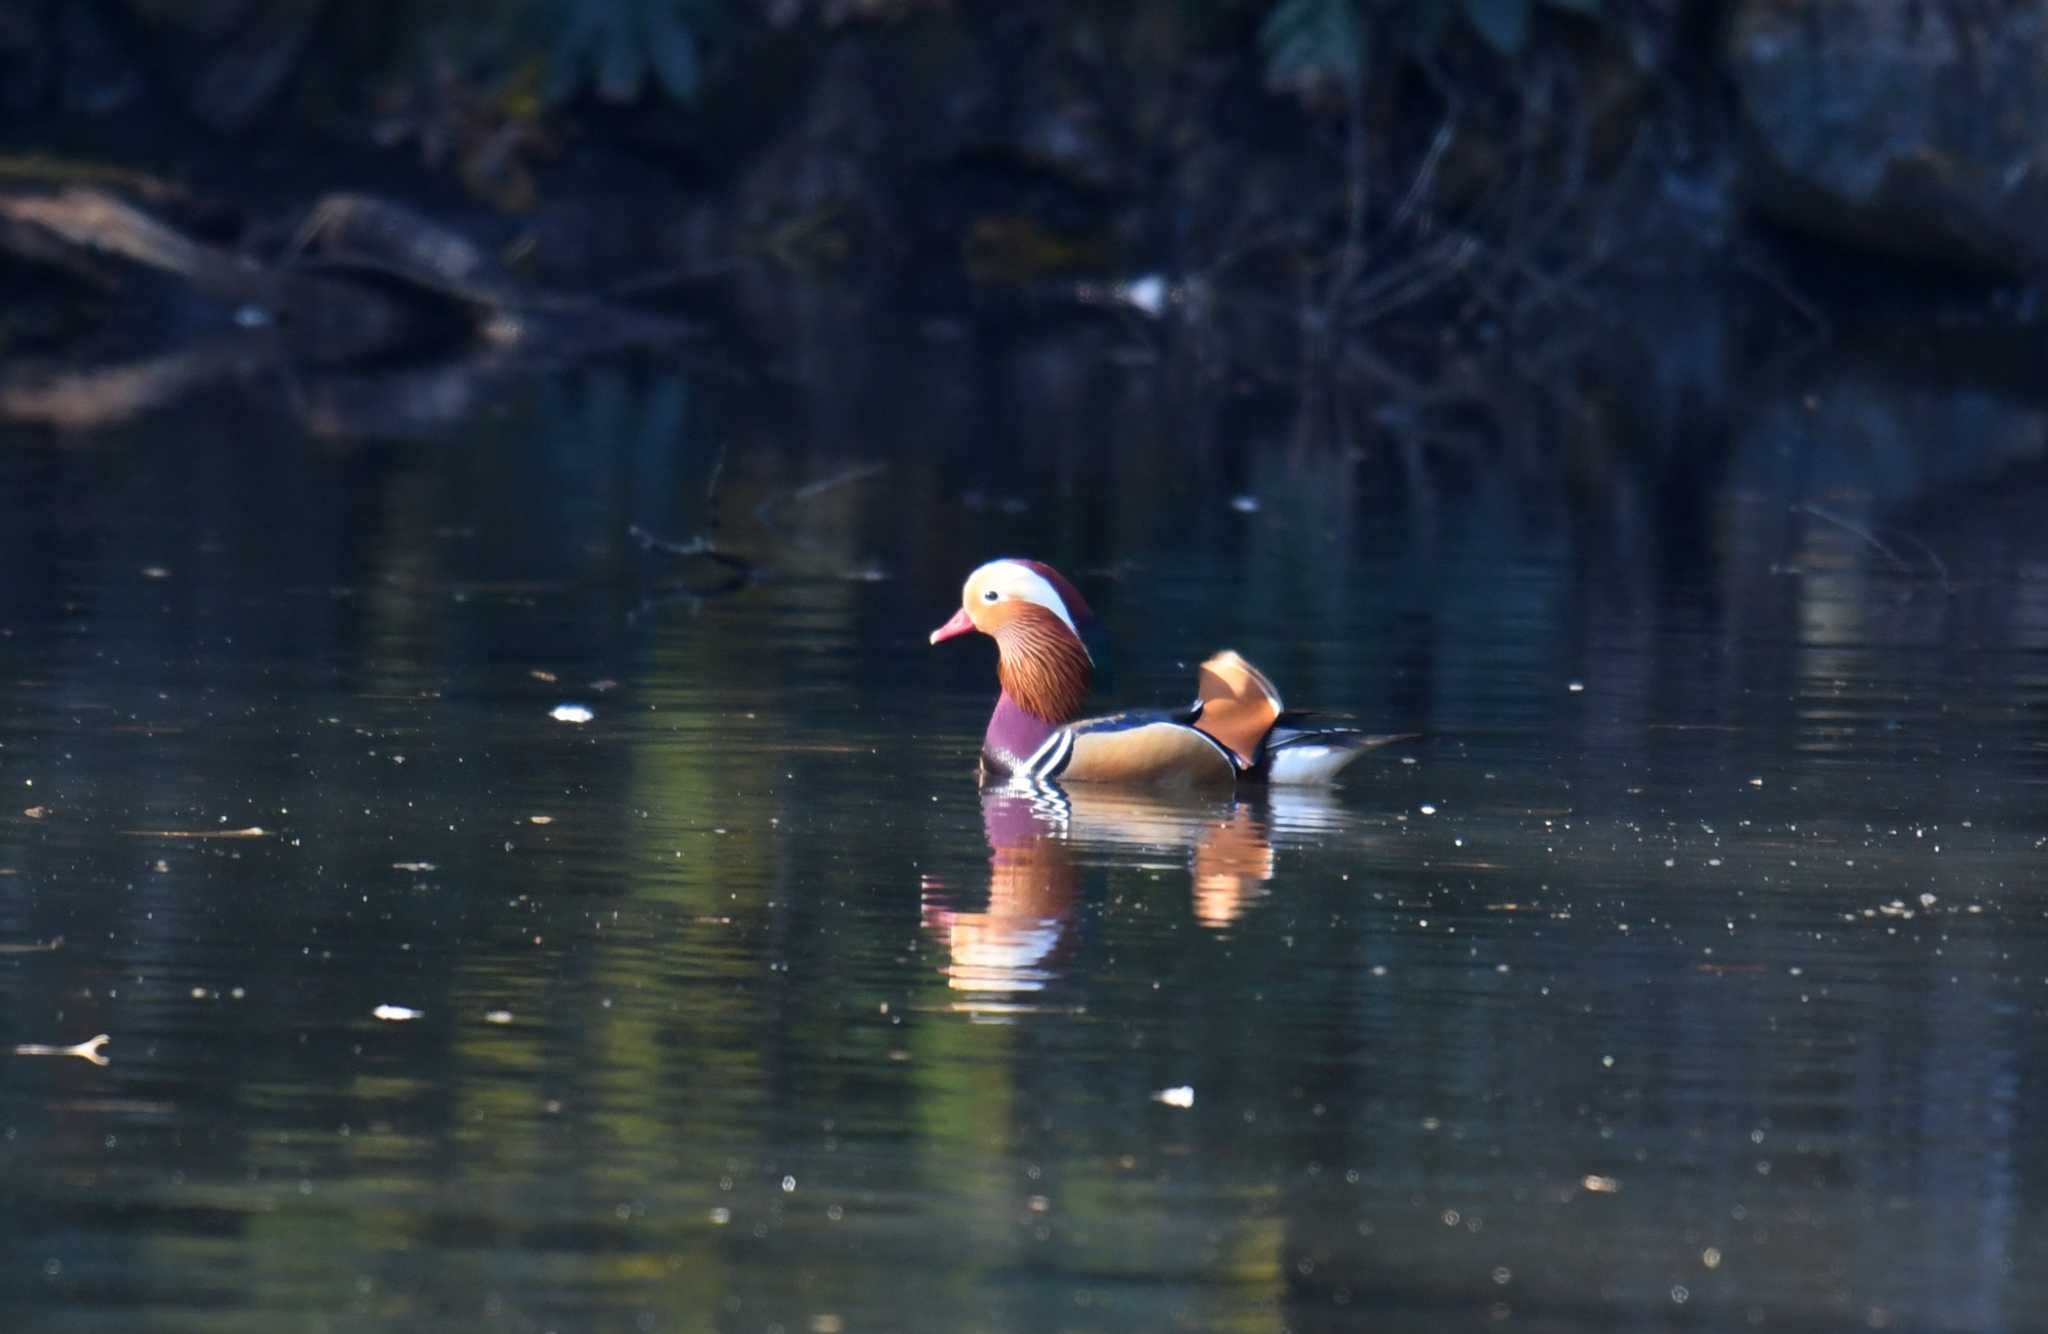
x,y
1013,734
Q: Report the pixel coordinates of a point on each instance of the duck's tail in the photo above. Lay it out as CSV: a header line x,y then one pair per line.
x,y
1303,756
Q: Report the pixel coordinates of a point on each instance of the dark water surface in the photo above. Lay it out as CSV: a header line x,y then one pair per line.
x,y
1688,973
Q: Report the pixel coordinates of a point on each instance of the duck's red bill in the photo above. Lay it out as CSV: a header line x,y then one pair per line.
x,y
959,625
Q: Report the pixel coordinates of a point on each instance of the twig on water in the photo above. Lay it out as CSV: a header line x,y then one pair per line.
x,y
738,571
1855,529
1940,565
669,546
88,1050
859,472
768,512
1899,563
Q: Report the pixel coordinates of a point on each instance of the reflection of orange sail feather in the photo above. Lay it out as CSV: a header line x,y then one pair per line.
x,y
1232,865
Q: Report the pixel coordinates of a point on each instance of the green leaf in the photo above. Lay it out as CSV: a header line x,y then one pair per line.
x,y
1503,23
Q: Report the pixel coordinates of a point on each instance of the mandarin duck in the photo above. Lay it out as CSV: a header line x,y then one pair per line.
x,y
1049,643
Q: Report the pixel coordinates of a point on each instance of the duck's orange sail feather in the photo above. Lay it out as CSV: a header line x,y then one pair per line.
x,y
1239,705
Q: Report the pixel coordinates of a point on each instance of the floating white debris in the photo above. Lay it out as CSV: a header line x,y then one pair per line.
x,y
88,1050
397,1014
412,866
1576,687
1245,504
1148,294
1600,1185
1180,1095
498,1017
1426,809
572,713
253,831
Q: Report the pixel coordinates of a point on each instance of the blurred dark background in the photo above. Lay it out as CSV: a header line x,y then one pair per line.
x,y
1582,240
1485,160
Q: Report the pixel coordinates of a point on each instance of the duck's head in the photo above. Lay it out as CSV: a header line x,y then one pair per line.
x,y
1048,638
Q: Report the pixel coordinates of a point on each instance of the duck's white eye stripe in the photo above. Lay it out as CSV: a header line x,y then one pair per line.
x,y
1022,582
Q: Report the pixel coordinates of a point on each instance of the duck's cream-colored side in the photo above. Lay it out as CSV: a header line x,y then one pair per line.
x,y
1153,753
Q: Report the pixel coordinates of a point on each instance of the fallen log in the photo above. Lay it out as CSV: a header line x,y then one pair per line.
x,y
364,278
325,319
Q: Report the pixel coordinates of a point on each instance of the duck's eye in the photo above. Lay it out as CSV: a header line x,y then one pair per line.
x,y
990,596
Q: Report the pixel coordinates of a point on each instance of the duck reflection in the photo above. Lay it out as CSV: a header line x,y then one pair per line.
x,y
1040,836
1033,886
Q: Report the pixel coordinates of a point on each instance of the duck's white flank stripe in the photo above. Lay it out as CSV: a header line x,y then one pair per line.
x,y
1050,755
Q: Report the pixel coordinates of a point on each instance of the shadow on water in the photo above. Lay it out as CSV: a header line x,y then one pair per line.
x,y
1687,969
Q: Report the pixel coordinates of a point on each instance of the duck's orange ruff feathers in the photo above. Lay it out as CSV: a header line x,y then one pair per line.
x,y
1239,705
1043,667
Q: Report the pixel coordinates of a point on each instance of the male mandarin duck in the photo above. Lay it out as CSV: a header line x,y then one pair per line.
x,y
1049,642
